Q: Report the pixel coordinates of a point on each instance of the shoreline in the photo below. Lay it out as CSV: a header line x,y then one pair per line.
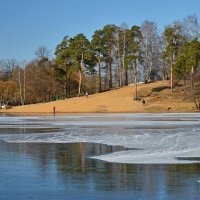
x,y
90,113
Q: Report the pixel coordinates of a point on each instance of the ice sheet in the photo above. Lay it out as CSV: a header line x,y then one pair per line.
x,y
152,138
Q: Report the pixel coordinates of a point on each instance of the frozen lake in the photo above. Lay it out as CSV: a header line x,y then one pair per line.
x,y
151,138
103,156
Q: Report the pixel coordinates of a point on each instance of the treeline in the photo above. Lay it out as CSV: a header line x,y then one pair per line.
x,y
114,57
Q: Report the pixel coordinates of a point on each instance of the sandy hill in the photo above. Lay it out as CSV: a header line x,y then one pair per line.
x,y
157,96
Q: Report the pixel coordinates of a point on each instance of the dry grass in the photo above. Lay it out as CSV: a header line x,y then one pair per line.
x,y
157,96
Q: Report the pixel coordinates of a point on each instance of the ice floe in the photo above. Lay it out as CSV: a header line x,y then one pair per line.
x,y
165,138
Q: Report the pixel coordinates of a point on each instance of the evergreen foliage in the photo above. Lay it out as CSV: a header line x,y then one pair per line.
x,y
115,57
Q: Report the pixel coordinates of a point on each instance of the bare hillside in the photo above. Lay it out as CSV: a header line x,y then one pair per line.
x,y
157,96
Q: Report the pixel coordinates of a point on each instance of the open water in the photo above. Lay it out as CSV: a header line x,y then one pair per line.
x,y
112,156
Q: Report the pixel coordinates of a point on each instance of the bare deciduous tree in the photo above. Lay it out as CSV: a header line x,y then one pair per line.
x,y
7,66
42,52
151,49
190,27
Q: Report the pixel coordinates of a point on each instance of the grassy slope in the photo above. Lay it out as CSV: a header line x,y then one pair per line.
x,y
157,96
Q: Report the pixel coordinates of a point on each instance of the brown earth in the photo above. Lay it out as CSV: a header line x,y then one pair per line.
x,y
157,96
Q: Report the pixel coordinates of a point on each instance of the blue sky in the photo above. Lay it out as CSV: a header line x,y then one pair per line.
x,y
27,24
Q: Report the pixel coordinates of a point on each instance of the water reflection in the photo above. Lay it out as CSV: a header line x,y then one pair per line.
x,y
50,171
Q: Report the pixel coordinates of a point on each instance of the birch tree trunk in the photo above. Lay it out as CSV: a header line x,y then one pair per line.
x,y
99,79
125,71
110,68
135,79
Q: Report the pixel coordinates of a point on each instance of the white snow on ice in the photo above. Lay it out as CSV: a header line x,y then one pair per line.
x,y
151,138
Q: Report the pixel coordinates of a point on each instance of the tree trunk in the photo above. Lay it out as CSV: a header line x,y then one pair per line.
x,y
149,72
109,68
171,78
124,67
67,88
119,68
192,76
66,81
80,76
184,83
135,79
24,86
80,83
99,80
164,73
171,69
118,75
126,77
20,87
49,81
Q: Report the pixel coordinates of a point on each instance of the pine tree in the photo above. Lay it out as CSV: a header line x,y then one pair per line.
x,y
82,57
99,52
135,53
173,40
109,33
63,64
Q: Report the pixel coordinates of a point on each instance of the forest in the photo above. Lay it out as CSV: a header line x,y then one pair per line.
x,y
115,56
